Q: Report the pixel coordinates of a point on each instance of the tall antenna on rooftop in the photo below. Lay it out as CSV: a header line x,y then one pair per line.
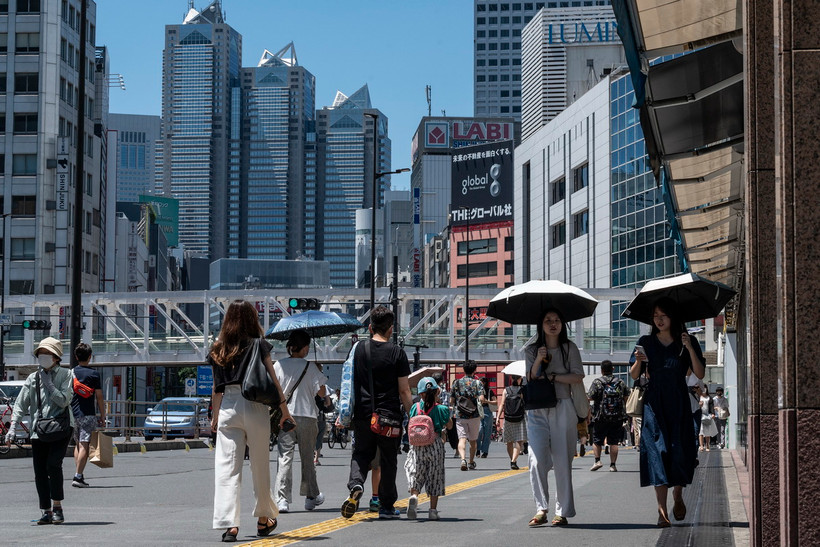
x,y
429,99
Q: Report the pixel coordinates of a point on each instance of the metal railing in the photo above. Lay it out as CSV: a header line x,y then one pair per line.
x,y
127,418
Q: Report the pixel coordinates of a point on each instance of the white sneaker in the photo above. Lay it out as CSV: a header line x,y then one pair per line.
x,y
433,514
596,466
311,503
283,506
412,504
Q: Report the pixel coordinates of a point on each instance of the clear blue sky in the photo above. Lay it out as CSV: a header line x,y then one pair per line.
x,y
396,47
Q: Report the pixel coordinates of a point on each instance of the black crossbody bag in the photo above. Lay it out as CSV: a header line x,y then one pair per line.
x,y
53,429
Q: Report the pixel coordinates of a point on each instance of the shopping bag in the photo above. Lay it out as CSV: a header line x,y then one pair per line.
x,y
101,450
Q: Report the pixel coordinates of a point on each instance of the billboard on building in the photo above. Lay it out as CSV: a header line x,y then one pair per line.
x,y
167,210
482,184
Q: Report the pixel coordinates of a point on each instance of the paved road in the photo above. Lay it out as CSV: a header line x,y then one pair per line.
x,y
165,498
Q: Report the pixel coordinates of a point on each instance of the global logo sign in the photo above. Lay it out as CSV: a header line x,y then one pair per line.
x,y
437,135
479,183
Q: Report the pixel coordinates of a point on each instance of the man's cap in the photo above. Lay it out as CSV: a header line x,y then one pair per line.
x,y
427,383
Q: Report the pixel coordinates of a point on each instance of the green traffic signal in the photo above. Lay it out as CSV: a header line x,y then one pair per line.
x,y
27,324
33,324
293,303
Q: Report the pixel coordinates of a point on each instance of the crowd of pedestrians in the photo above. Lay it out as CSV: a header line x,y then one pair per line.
x,y
539,414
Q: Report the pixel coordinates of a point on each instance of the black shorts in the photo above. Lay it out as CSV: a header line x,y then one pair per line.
x,y
613,432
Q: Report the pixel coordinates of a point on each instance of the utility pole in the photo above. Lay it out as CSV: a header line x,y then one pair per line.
x,y
79,187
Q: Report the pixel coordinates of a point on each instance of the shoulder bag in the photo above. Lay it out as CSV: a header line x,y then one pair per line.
x,y
53,429
276,411
634,404
346,396
381,421
466,405
257,385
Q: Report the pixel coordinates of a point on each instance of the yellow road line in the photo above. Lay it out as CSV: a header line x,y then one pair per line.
x,y
339,523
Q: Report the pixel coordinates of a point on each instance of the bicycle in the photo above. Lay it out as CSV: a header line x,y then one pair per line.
x,y
5,423
337,435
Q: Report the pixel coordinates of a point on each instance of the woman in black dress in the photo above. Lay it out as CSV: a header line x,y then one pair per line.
x,y
668,453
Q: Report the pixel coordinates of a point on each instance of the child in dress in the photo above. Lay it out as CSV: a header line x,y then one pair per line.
x,y
425,464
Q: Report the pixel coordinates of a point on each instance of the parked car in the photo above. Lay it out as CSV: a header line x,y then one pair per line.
x,y
179,416
9,390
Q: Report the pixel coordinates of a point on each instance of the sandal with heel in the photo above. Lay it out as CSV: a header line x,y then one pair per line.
x,y
228,537
539,519
266,528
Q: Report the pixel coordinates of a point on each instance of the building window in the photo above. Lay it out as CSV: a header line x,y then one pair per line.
x,y
2,82
480,78
25,123
580,224
4,6
580,177
509,268
480,21
558,190
481,47
25,206
509,242
22,248
21,286
480,269
27,42
26,83
28,6
4,42
478,246
24,164
558,234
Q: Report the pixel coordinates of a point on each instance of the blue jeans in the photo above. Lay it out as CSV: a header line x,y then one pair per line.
x,y
486,430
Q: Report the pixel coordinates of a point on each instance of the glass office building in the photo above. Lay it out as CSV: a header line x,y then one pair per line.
x,y
344,160
276,194
642,244
201,63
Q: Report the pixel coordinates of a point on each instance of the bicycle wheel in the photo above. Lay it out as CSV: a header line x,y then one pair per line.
x,y
331,440
343,440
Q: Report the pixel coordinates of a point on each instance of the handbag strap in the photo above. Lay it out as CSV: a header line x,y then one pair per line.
x,y
39,401
293,389
370,376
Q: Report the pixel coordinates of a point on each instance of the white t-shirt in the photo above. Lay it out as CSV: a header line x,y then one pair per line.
x,y
288,371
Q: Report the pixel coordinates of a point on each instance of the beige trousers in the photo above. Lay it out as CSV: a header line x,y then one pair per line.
x,y
241,422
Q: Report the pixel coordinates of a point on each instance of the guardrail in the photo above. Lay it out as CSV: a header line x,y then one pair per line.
x,y
126,419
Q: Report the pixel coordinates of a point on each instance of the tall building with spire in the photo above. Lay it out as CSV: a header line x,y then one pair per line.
x,y
201,100
344,162
275,198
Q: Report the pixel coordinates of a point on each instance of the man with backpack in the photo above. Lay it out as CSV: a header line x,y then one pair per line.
x,y
467,398
87,388
608,395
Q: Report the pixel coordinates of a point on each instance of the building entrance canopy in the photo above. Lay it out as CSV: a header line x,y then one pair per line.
x,y
692,117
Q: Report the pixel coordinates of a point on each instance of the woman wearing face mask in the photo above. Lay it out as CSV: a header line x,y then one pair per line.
x,y
54,383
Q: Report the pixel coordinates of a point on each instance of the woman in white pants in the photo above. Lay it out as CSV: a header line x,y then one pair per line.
x,y
552,431
239,422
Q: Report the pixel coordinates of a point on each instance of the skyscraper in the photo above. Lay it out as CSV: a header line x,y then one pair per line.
x,y
136,138
497,53
40,83
344,162
200,103
276,199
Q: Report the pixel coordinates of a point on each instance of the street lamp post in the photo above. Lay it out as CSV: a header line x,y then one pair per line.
x,y
376,177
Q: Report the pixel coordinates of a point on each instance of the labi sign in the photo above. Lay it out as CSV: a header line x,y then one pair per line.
x,y
482,178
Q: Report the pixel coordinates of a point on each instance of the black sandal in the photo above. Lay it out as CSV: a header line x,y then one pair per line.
x,y
266,530
228,537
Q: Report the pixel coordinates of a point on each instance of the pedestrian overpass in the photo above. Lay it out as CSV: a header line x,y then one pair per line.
x,y
177,328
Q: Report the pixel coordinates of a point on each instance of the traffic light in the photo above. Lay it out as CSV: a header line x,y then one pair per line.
x,y
36,324
303,303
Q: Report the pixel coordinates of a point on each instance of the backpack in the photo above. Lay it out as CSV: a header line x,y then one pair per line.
x,y
513,405
612,402
467,405
420,428
80,388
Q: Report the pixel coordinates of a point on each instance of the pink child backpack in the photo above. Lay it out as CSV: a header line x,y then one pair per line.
x,y
420,429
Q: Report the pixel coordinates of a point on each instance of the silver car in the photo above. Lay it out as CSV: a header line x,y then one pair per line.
x,y
178,417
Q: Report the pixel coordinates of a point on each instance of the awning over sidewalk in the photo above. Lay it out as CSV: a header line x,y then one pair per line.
x,y
692,118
